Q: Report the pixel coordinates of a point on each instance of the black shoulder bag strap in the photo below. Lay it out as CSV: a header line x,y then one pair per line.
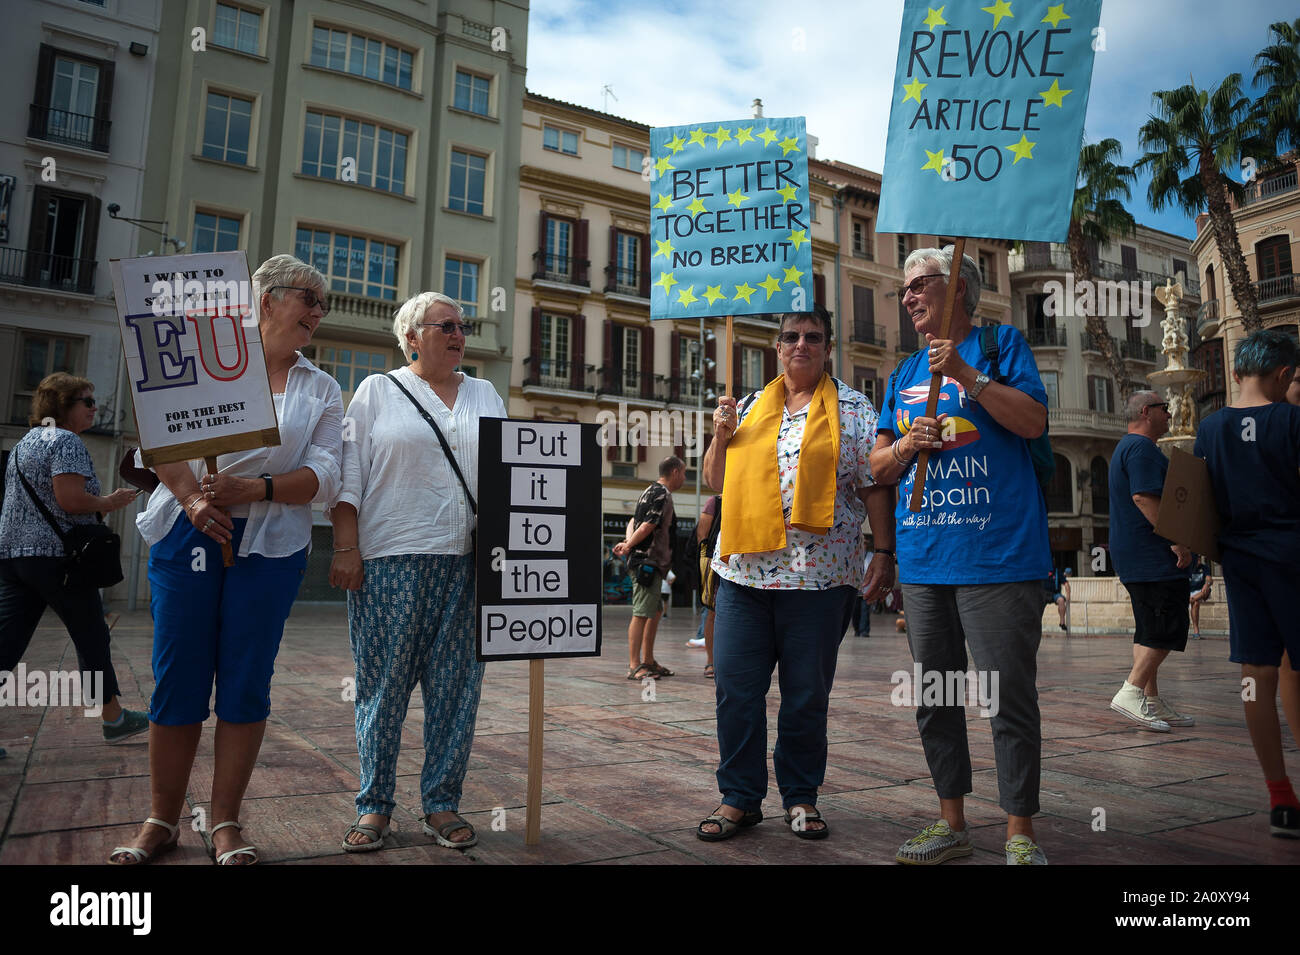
x,y
473,506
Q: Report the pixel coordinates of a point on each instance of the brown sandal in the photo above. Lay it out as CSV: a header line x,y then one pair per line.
x,y
641,671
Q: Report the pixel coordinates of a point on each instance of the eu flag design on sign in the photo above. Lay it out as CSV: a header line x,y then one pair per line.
x,y
987,117
730,219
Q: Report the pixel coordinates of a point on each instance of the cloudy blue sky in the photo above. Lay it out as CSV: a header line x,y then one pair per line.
x,y
832,61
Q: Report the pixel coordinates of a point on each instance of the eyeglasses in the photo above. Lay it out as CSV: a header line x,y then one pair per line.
x,y
792,338
448,327
88,401
917,284
309,297
1162,405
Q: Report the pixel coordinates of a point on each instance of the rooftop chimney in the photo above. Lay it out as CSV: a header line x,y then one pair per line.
x,y
758,109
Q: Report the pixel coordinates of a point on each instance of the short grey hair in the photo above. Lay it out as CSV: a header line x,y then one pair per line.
x,y
941,260
285,269
1139,400
412,312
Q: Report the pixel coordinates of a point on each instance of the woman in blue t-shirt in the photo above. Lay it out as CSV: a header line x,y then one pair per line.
x,y
1252,449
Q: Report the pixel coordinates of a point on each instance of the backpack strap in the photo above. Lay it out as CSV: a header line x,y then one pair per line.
x,y
893,381
989,346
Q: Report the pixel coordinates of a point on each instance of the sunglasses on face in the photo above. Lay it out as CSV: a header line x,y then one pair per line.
x,y
792,338
88,401
1162,405
309,298
918,284
448,327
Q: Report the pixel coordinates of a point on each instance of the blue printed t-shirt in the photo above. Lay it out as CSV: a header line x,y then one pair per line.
x,y
983,519
1255,471
1138,466
43,453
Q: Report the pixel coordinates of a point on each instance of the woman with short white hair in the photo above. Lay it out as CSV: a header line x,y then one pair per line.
x,y
403,526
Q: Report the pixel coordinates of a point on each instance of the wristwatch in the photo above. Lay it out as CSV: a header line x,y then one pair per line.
x,y
981,381
266,478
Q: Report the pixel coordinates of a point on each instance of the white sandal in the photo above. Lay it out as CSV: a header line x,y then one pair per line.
x,y
141,856
225,857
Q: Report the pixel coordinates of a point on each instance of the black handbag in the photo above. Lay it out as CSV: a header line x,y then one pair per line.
x,y
473,506
646,573
92,552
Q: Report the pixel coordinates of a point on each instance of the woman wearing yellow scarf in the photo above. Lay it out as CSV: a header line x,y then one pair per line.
x,y
792,463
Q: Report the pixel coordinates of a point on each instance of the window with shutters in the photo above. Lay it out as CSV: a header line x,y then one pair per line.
x,y
988,271
628,356
61,241
864,317
1051,384
1273,266
751,365
690,368
1099,479
902,249
907,339
1060,492
553,354
73,99
863,245
1128,261
627,262
557,263
1101,394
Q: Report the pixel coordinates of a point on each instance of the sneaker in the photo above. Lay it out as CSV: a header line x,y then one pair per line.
x,y
1021,850
133,724
1133,703
1169,714
1284,821
696,642
935,844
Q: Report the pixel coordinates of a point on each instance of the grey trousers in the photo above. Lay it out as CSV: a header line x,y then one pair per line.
x,y
1003,625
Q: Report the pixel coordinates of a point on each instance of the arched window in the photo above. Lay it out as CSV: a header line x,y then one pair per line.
x,y
1099,478
1273,267
1060,494
1210,293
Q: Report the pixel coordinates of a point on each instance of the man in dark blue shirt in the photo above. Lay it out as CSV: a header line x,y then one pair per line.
x,y
1252,450
1150,567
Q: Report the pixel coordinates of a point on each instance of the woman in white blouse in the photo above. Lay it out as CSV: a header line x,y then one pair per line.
x,y
225,623
403,550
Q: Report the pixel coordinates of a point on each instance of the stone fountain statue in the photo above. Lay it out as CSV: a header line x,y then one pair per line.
x,y
1176,377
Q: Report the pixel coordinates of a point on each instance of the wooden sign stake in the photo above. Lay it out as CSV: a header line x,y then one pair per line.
x,y
227,555
536,712
730,353
932,404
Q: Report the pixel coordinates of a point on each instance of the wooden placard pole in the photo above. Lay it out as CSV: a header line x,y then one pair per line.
x,y
936,380
227,555
536,712
730,353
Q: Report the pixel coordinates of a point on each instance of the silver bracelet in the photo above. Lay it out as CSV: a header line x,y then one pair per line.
x,y
897,457
344,550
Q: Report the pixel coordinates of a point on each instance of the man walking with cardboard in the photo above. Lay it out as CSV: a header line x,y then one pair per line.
x,y
1150,567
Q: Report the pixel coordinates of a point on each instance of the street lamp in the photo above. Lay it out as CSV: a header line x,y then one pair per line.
x,y
177,244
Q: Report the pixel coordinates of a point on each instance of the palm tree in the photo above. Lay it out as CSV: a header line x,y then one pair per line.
x,y
1096,217
1193,142
1277,68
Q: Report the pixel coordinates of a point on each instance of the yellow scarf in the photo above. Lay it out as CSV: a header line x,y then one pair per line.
x,y
752,517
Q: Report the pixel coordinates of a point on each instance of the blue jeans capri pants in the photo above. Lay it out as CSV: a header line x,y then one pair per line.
x,y
216,623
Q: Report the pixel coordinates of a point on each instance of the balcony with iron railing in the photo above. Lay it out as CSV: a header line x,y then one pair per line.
x,y
685,390
1088,343
1047,337
1039,260
1277,289
557,375
630,383
863,251
623,281
62,273
1269,186
1058,260
867,333
70,129
559,268
1138,351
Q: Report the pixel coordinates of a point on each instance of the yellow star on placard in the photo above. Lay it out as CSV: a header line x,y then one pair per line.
x,y
1023,149
662,164
935,18
1055,15
792,275
696,206
935,163
789,145
913,90
768,136
675,144
735,198
713,293
697,136
772,286
721,135
999,10
787,194
664,202
686,296
798,237
665,249
1054,96
744,134
667,282
744,291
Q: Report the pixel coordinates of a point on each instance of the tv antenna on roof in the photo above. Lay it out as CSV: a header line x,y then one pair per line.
x,y
607,91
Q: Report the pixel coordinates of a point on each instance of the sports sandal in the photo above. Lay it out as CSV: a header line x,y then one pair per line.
x,y
141,856
659,669
808,816
641,671
225,857
442,834
727,827
708,671
377,837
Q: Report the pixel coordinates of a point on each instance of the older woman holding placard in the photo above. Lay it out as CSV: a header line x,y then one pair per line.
x,y
791,558
225,623
403,528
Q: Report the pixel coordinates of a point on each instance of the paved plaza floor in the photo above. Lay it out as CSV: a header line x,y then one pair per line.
x,y
627,779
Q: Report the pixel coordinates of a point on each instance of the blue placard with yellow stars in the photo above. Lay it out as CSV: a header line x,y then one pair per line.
x,y
730,219
987,117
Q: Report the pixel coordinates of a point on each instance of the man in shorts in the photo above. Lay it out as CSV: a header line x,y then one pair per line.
x,y
1151,568
649,545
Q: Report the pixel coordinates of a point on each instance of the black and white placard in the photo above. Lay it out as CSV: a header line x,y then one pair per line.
x,y
539,540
